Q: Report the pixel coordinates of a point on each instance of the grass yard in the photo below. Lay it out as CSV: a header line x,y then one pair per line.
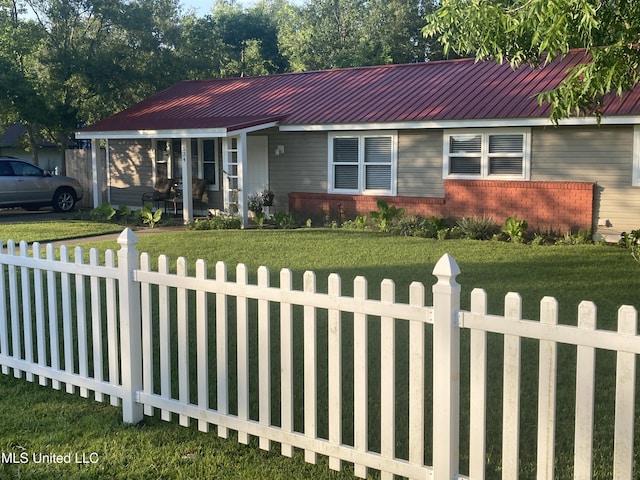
x,y
53,230
37,419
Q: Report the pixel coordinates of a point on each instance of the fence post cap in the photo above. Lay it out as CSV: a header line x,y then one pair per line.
x,y
127,237
446,269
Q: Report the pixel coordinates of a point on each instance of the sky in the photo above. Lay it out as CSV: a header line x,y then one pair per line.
x,y
203,7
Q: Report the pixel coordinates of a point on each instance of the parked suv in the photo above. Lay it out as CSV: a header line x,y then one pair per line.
x,y
25,185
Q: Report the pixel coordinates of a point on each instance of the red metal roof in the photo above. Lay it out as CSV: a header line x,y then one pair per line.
x,y
433,91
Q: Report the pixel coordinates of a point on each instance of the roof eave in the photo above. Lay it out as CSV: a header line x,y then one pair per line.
x,y
463,123
171,133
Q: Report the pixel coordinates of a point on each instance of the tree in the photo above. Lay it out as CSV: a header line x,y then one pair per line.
x,y
348,33
536,32
232,41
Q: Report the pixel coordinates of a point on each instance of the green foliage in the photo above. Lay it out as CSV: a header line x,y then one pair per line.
x,y
259,218
149,217
255,203
358,223
631,241
478,228
219,222
537,31
579,238
515,229
284,219
419,227
386,216
102,213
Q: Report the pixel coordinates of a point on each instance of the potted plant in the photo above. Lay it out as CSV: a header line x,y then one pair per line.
x,y
267,197
255,203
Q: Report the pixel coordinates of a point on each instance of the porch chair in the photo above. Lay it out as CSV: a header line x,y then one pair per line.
x,y
198,186
161,192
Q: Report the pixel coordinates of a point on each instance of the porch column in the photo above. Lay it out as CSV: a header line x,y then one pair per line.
x,y
242,179
96,173
187,187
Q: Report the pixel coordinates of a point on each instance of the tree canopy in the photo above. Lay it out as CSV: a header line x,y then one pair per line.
x,y
538,31
67,63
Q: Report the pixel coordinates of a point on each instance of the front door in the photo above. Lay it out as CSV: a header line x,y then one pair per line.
x,y
257,175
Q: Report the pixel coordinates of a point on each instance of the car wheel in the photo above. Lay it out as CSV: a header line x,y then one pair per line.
x,y
64,200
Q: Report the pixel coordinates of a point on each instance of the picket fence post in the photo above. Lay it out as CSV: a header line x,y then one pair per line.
x,y
446,370
130,327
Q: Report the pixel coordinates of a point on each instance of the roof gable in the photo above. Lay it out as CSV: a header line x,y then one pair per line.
x,y
433,91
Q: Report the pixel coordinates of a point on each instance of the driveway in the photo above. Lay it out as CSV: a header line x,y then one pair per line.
x,y
18,215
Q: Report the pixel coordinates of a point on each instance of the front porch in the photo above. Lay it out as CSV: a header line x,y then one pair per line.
x,y
232,163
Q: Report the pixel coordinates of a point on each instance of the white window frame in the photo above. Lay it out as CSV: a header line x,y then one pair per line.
x,y
361,136
485,156
197,167
635,174
214,186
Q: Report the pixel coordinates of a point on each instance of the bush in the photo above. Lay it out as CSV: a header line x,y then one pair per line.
x,y
284,219
103,213
580,238
219,222
478,228
514,229
632,242
359,223
385,217
419,227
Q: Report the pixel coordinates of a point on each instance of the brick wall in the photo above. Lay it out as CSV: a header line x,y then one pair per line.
x,y
555,205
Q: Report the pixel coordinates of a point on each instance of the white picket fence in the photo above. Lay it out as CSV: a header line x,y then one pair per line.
x,y
269,362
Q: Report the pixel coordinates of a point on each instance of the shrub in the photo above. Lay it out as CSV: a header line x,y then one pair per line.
x,y
419,227
103,213
478,228
358,223
150,217
579,238
219,222
386,215
632,242
284,219
515,229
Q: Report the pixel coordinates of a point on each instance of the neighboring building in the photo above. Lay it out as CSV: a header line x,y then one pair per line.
x,y
449,138
49,156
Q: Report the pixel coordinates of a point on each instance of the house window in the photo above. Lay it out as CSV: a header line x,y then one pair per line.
x,y
204,160
168,159
502,154
362,163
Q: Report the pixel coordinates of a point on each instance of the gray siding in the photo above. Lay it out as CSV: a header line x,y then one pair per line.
x,y
603,155
130,171
302,168
420,163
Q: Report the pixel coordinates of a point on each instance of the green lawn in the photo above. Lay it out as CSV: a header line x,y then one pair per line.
x,y
54,230
36,419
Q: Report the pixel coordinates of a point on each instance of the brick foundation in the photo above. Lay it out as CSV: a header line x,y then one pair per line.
x,y
545,205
